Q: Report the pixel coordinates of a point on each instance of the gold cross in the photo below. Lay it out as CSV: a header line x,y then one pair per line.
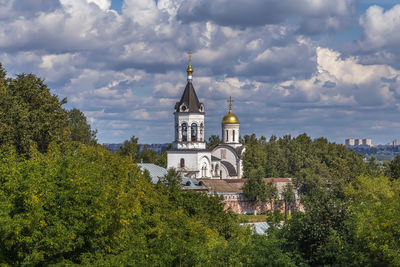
x,y
230,101
190,57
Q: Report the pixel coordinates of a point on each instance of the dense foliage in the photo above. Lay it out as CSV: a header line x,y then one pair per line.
x,y
66,201
213,141
131,149
300,156
80,130
30,116
86,205
351,211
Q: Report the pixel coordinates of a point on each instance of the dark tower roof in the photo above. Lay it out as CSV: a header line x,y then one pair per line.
x,y
189,98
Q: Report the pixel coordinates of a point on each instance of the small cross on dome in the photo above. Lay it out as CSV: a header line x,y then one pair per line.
x,y
230,101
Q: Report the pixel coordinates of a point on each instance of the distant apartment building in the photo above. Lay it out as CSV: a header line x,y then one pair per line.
x,y
393,143
349,142
158,148
367,142
358,142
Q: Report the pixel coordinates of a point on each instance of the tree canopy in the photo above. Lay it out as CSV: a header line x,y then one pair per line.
x,y
30,116
66,201
131,149
86,205
80,129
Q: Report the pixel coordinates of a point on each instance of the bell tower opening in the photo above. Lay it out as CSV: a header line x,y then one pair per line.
x,y
184,132
194,132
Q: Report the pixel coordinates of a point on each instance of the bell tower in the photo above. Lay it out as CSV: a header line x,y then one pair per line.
x,y
189,117
189,154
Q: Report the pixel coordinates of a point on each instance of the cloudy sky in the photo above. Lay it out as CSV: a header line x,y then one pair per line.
x,y
324,67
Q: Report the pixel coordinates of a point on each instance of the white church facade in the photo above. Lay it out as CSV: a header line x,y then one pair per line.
x,y
189,153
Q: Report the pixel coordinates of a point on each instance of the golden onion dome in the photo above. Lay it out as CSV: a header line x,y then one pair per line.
x,y
230,118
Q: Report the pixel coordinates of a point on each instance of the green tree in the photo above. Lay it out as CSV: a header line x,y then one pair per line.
x,y
255,187
267,251
161,160
316,235
29,114
254,157
88,206
213,141
375,212
271,193
374,169
80,129
172,179
130,148
288,196
146,156
395,168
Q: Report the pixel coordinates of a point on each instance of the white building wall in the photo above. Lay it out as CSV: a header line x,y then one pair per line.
x,y
230,134
228,154
194,162
225,154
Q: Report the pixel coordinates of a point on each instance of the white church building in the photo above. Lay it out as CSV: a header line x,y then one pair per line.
x,y
189,153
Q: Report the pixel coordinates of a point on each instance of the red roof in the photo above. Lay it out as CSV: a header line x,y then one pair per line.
x,y
277,180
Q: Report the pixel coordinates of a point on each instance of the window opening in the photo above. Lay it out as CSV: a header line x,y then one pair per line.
x,y
182,163
184,132
194,132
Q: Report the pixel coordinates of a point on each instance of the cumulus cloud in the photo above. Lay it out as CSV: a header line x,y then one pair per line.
x,y
380,38
103,4
380,28
316,15
126,69
345,82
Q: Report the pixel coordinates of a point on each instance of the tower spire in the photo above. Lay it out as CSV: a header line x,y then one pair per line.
x,y
189,69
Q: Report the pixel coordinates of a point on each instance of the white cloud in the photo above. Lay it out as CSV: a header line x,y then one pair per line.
x,y
316,15
143,12
344,82
127,70
349,71
380,28
103,4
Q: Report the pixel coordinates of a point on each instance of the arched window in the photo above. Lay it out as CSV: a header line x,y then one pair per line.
x,y
233,135
204,170
182,163
226,135
184,132
194,132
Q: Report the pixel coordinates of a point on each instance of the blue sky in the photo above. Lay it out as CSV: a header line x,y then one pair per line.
x,y
326,68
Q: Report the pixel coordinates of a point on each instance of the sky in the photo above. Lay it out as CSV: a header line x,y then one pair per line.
x,y
322,67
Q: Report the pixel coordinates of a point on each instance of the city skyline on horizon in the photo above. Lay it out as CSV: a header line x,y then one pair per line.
x,y
325,68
